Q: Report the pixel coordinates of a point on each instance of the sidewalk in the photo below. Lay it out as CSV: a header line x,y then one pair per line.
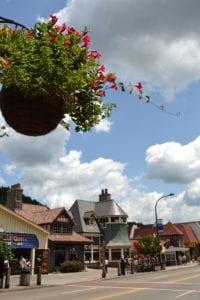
x,y
56,279
188,265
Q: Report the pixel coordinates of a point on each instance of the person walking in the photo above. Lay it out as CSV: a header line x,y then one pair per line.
x,y
106,265
123,265
23,264
1,271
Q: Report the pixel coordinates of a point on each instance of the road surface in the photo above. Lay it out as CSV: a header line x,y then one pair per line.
x,y
183,284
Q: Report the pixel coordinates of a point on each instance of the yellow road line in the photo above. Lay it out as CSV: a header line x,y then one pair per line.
x,y
118,294
185,278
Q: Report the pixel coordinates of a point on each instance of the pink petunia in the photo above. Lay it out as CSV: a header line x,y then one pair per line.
x,y
94,85
61,27
67,43
86,40
110,77
53,37
138,86
101,93
114,86
95,54
54,19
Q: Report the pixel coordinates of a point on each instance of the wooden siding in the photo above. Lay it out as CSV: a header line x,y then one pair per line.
x,y
10,222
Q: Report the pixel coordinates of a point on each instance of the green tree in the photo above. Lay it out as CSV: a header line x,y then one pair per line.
x,y
6,251
150,245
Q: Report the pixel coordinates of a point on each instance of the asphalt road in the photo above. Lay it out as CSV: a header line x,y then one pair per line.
x,y
181,284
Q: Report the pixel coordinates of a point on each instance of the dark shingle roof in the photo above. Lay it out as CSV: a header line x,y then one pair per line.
x,y
109,208
116,235
78,210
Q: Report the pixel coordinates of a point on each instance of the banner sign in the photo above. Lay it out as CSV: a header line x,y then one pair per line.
x,y
160,228
20,240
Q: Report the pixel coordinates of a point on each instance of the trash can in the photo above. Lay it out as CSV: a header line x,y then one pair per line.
x,y
25,278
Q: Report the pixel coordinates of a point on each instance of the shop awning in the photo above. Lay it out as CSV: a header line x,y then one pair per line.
x,y
175,249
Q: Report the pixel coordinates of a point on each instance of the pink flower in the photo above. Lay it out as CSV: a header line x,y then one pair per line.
x,y
67,43
95,54
7,62
138,86
30,33
102,69
114,86
101,93
54,19
94,85
53,37
86,40
61,27
110,77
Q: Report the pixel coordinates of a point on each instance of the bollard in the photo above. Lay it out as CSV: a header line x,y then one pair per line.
x,y
132,269
7,279
103,275
119,269
39,276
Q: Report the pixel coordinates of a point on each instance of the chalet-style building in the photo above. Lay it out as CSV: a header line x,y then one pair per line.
x,y
176,239
104,222
63,242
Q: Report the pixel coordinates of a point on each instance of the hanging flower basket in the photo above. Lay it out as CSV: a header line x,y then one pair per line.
x,y
32,116
47,72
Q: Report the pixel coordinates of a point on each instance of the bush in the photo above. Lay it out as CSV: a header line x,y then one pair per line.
x,y
72,266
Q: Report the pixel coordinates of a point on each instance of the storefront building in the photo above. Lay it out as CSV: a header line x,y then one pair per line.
x,y
63,243
24,236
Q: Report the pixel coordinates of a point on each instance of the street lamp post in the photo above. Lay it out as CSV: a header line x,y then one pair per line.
x,y
156,218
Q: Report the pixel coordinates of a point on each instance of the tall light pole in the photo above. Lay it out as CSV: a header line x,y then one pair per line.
x,y
156,216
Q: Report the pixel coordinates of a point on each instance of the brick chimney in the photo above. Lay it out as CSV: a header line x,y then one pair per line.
x,y
14,197
105,196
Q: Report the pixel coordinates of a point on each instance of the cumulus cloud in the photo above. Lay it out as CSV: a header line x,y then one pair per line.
x,y
57,177
151,40
173,162
192,193
103,126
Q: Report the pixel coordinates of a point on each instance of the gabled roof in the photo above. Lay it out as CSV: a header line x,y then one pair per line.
x,y
74,238
41,215
78,210
171,229
25,220
189,235
109,208
196,228
140,232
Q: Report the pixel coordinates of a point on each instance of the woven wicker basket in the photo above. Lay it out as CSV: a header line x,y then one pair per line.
x,y
29,115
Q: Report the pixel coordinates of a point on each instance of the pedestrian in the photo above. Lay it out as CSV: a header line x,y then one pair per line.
x,y
123,265
23,264
106,265
1,271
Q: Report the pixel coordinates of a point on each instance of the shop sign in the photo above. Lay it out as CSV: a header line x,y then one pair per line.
x,y
20,240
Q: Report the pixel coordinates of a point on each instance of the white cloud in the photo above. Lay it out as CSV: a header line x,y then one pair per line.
x,y
173,162
103,126
192,193
151,40
57,177
9,169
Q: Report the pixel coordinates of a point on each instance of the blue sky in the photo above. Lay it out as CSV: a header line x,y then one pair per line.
x,y
123,157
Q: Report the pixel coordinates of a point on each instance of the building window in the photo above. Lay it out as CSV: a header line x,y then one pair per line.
x,y
61,228
89,221
103,221
114,219
123,219
116,254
